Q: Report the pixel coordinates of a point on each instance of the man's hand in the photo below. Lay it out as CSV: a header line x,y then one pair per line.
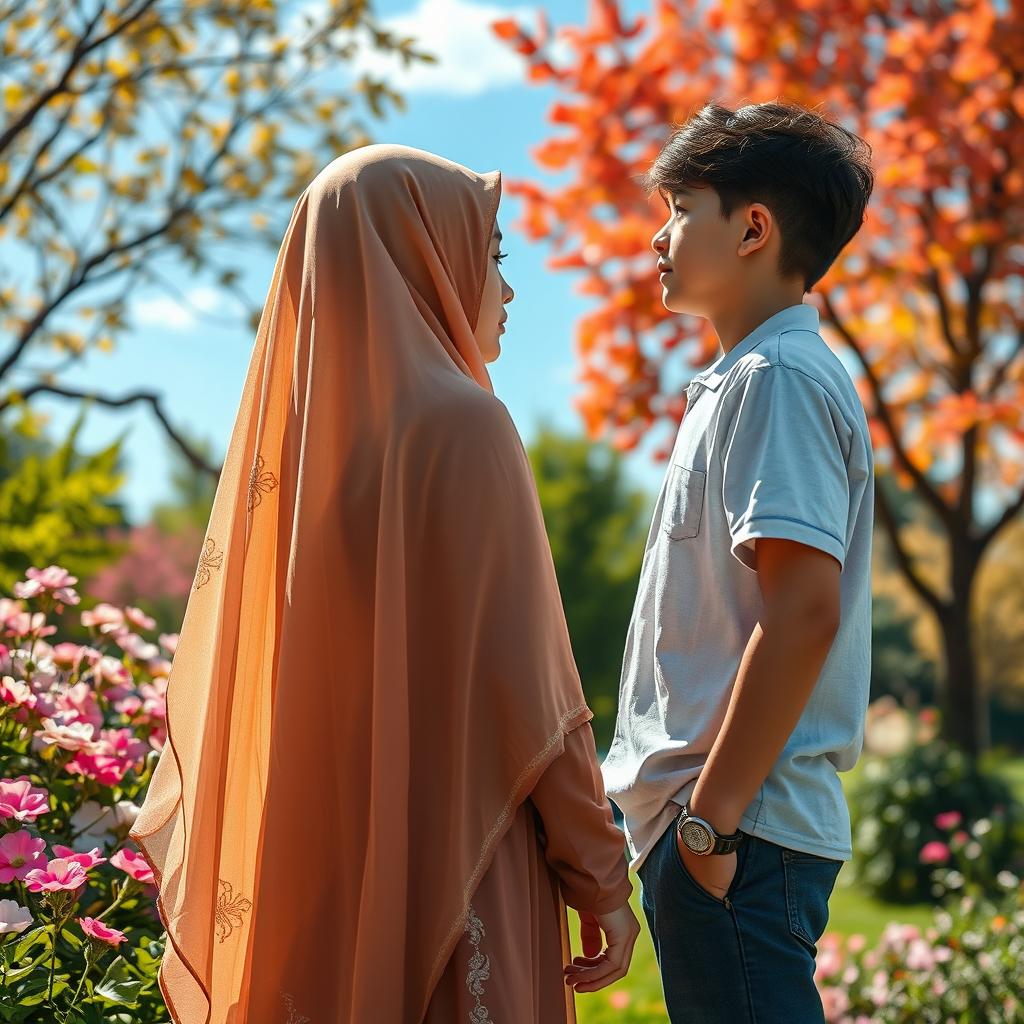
x,y
596,969
713,873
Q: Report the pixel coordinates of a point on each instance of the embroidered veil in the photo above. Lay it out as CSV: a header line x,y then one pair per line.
x,y
374,668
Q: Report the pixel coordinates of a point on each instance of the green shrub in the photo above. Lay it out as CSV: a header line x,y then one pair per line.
x,y
893,808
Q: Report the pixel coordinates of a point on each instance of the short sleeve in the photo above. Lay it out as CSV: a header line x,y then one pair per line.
x,y
784,473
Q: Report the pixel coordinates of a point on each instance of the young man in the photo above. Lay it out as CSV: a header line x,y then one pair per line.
x,y
745,677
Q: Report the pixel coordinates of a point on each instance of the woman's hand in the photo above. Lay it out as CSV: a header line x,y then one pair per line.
x,y
713,873
596,969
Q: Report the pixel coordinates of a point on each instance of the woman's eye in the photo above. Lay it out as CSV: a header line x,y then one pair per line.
x,y
500,256
679,209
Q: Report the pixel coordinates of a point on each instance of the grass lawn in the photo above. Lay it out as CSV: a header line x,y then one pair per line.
x,y
637,999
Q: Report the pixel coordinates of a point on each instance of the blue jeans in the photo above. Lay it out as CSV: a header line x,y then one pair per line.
x,y
748,958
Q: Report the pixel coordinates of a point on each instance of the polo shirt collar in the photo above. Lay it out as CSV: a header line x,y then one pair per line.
x,y
800,317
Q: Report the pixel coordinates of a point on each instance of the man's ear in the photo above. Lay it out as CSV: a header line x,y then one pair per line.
x,y
758,225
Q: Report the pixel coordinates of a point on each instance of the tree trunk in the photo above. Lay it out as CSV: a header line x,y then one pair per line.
x,y
964,706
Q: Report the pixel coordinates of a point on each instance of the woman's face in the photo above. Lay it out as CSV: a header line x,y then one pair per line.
x,y
490,324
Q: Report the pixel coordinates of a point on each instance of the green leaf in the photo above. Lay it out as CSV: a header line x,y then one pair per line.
x,y
28,940
118,986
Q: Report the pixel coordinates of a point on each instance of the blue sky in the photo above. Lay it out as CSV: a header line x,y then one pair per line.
x,y
474,107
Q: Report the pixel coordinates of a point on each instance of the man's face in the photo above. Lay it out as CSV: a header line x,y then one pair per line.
x,y
697,252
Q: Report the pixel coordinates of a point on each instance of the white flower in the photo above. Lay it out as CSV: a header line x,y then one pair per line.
x,y
89,822
67,736
14,918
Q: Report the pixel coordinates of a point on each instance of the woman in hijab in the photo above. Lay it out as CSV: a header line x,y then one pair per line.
x,y
380,787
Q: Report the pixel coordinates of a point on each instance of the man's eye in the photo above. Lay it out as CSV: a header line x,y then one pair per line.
x,y
500,256
679,209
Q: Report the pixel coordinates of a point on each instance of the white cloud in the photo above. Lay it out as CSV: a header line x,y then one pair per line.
x,y
168,312
470,58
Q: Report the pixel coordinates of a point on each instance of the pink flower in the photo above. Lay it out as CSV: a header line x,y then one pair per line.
x,y
58,875
920,956
619,1000
934,853
9,609
122,743
834,1001
52,580
160,667
960,836
14,691
139,649
155,695
169,642
20,800
827,963
948,819
43,706
70,656
133,864
106,770
138,618
105,616
110,670
25,624
98,930
87,860
129,705
80,700
20,852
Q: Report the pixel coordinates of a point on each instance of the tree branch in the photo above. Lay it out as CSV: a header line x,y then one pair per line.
x,y
1003,368
888,519
194,458
1009,512
923,484
82,49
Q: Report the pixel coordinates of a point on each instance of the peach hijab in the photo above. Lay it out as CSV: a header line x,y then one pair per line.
x,y
374,668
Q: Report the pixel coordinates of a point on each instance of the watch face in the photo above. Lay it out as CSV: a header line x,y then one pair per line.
x,y
696,837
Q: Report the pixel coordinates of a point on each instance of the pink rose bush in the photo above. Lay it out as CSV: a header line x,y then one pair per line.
x,y
965,967
81,727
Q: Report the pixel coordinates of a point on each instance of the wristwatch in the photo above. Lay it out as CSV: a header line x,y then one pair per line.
x,y
699,836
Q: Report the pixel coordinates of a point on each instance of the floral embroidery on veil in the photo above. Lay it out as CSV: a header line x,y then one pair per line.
x,y
479,969
260,483
294,1017
210,559
229,909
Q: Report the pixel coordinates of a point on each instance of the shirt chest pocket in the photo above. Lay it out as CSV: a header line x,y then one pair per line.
x,y
684,502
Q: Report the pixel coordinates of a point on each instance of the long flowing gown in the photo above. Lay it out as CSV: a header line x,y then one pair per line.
x,y
562,849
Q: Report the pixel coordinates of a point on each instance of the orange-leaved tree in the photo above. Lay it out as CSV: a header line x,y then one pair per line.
x,y
927,300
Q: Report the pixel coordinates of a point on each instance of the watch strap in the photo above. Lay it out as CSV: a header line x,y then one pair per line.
x,y
723,843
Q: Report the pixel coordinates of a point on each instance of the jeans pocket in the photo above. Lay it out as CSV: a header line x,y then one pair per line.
x,y
684,502
678,857
810,880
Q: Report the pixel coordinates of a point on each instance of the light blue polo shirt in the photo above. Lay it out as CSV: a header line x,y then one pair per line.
x,y
774,443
